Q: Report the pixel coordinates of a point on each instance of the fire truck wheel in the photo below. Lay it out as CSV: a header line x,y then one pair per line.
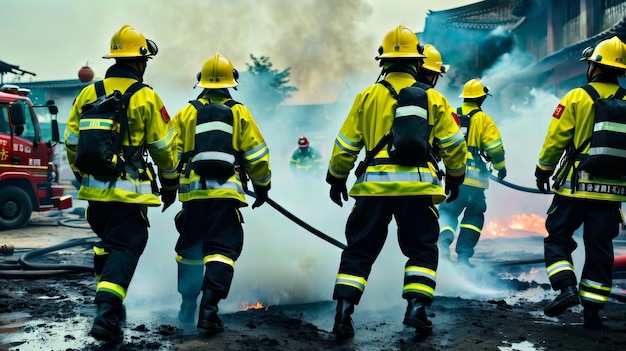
x,y
15,208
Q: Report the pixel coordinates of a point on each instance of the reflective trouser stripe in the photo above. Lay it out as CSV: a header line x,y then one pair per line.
x,y
219,258
420,280
112,288
594,292
559,266
351,280
180,259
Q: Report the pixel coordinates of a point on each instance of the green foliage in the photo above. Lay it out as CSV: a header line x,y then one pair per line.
x,y
268,85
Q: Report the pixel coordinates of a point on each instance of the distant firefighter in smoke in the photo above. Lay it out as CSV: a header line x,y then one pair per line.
x,y
589,185
388,188
484,145
306,160
220,144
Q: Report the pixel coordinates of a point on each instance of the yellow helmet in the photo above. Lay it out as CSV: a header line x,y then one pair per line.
x,y
474,89
400,43
129,43
218,72
433,61
610,52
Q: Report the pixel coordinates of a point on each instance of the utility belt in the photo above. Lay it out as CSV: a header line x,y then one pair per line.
x,y
371,161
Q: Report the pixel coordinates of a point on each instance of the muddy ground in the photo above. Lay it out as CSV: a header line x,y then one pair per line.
x,y
55,312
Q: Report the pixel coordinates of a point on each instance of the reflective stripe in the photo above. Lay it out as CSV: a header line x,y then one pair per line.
x,y
95,123
351,280
209,184
219,258
130,185
398,177
420,272
256,153
411,110
265,180
71,138
610,151
559,266
213,126
610,126
452,141
214,155
448,228
112,288
589,296
419,288
595,285
180,259
162,144
471,227
99,251
347,145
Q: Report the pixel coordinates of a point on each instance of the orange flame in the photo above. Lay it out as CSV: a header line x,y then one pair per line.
x,y
522,225
256,306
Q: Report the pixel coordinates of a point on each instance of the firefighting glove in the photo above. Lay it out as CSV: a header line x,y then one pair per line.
x,y
338,189
452,186
337,192
543,179
502,173
261,194
167,197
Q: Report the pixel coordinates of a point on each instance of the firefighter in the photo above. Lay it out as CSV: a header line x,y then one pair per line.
x,y
484,144
306,160
595,203
386,190
433,66
210,223
117,209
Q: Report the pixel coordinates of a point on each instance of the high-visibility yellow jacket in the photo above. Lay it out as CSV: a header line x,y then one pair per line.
x,y
370,117
483,135
573,122
148,125
247,140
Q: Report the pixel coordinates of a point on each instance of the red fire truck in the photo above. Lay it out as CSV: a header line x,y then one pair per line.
x,y
28,176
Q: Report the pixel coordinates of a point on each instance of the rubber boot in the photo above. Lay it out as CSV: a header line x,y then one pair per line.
x,y
566,299
445,240
344,327
591,317
208,318
465,245
416,317
107,324
187,312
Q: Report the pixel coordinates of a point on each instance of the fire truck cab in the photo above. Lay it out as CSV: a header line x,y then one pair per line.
x,y
28,176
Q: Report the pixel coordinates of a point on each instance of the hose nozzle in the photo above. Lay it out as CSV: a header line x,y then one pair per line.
x,y
7,249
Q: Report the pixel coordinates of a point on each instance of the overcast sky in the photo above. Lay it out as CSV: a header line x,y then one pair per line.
x,y
317,39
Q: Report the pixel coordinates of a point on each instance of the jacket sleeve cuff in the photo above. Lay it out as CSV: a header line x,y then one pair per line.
x,y
332,180
457,180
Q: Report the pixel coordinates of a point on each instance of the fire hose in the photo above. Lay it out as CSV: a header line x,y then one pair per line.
x,y
300,222
515,186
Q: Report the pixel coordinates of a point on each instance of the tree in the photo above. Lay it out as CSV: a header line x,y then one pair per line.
x,y
267,87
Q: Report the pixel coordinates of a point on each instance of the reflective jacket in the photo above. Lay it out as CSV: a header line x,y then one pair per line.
x,y
247,141
370,117
572,123
148,125
483,136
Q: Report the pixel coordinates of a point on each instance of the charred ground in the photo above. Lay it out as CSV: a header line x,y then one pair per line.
x,y
55,313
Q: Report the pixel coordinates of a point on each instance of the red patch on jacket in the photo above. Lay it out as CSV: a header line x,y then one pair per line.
x,y
164,114
558,112
456,119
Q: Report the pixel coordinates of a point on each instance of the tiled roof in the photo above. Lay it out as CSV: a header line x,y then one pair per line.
x,y
484,15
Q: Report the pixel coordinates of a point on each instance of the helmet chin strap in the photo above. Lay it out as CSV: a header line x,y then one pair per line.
x,y
590,70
